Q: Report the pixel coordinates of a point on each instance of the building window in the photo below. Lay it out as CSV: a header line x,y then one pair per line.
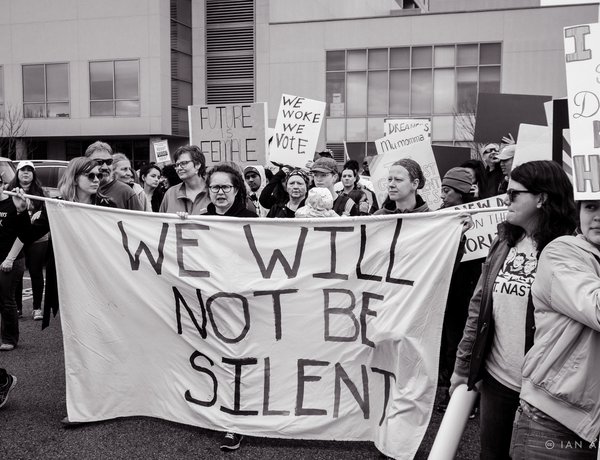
x,y
114,88
46,91
181,65
441,83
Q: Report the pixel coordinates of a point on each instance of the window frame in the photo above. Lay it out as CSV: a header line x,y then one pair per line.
x,y
45,102
114,99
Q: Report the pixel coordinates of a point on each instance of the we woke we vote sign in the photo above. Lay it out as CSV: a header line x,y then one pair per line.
x,y
296,131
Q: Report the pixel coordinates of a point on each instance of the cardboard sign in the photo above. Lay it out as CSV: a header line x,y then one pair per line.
x,y
414,144
286,328
480,237
161,151
535,143
296,130
405,125
501,114
230,132
582,56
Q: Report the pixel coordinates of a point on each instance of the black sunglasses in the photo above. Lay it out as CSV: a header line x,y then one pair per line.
x,y
107,162
91,176
512,194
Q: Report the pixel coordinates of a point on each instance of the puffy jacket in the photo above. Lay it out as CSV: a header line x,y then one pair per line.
x,y
479,330
561,372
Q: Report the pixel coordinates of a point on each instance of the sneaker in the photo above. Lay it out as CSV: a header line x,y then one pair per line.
x,y
5,390
443,404
7,347
473,413
37,315
231,441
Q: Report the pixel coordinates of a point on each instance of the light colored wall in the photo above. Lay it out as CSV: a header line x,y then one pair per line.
x,y
532,60
314,10
79,31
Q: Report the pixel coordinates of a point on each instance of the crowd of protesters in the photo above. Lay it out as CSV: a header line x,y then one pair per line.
x,y
522,327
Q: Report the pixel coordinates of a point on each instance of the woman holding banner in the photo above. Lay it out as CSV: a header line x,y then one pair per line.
x,y
404,180
559,414
491,352
227,192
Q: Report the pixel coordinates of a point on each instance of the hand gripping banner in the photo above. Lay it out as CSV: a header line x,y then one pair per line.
x,y
291,328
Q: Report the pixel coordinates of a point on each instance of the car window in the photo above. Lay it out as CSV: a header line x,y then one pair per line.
x,y
6,171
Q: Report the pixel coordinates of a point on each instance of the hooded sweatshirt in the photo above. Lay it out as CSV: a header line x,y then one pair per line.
x,y
254,196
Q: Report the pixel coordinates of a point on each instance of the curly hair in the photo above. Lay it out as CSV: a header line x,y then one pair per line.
x,y
558,215
237,180
195,154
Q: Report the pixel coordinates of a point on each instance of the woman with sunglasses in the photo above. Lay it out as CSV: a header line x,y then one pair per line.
x,y
191,196
227,191
285,192
79,183
559,413
500,323
35,253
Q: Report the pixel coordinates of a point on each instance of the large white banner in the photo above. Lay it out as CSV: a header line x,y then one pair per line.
x,y
582,56
312,329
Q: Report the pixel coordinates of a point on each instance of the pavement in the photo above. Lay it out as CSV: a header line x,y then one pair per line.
x,y
31,428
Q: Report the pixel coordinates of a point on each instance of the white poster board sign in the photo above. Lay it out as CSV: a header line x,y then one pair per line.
x,y
405,125
413,143
582,57
480,237
296,130
161,151
535,143
230,132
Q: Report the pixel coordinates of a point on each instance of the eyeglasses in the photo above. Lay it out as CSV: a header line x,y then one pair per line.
x,y
512,194
91,176
216,188
106,162
182,163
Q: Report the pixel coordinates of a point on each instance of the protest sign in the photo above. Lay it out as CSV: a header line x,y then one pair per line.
x,y
405,125
535,143
414,144
161,151
582,56
230,132
501,114
567,161
296,130
289,328
448,157
480,237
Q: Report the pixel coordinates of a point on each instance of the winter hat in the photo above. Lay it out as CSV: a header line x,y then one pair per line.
x,y
459,179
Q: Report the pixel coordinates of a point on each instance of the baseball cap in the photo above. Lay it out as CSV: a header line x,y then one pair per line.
x,y
22,164
326,165
506,153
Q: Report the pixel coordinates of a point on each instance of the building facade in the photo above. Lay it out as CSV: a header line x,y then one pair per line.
x,y
75,71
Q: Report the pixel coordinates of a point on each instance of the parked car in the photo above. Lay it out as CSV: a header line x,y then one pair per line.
x,y
49,172
7,170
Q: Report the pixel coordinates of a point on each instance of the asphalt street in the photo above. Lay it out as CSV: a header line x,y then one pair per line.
x,y
30,423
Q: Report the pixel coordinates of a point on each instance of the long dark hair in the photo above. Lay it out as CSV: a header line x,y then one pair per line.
x,y
558,215
35,188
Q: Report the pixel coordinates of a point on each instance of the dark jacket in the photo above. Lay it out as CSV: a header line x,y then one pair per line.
x,y
238,209
389,207
479,330
279,211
